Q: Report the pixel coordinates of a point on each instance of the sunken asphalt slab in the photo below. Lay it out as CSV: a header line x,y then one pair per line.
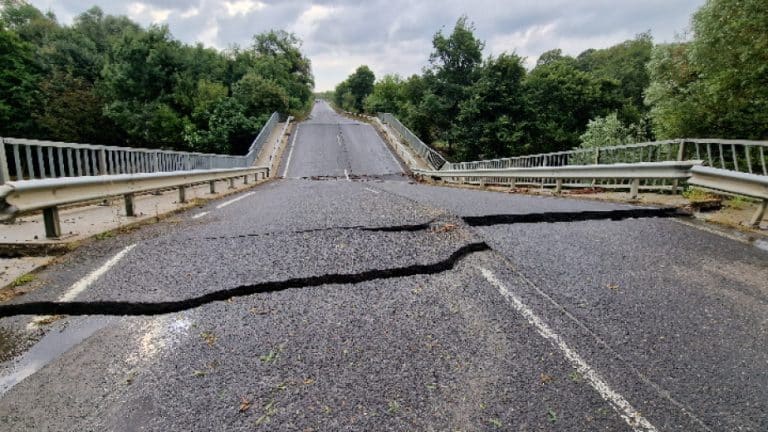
x,y
672,318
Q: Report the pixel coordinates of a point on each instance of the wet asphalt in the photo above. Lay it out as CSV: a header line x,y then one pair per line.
x,y
673,319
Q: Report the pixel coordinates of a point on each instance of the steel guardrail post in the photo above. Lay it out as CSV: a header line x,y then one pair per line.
x,y
4,173
182,194
129,208
52,222
759,214
102,162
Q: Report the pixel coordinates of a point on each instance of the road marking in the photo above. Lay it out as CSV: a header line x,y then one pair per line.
x,y
372,190
622,407
224,204
346,174
199,215
84,283
338,139
290,153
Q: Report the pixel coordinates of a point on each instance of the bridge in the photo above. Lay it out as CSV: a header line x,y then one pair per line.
x,y
345,295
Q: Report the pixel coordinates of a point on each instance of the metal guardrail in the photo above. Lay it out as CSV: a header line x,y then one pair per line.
x,y
736,155
633,172
24,196
26,159
432,157
751,185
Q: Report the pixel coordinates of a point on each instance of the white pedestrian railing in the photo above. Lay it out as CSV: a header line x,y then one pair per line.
x,y
432,157
26,159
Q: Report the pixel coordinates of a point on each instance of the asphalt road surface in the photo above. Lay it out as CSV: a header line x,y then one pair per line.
x,y
345,297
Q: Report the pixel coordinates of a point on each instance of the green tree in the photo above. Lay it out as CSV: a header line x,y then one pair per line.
x,y
72,111
19,76
453,68
624,67
258,95
490,120
677,104
350,94
561,99
610,131
386,95
716,84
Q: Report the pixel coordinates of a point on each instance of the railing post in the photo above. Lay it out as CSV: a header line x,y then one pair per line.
x,y
51,222
634,190
155,163
597,162
212,186
558,186
680,156
102,162
129,209
245,179
182,194
232,183
759,214
5,176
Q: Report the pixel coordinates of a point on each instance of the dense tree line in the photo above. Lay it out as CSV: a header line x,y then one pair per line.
x,y
715,85
107,80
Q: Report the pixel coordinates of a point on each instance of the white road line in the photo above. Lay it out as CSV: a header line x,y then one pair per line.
x,y
84,283
622,407
346,174
234,200
290,153
199,215
372,190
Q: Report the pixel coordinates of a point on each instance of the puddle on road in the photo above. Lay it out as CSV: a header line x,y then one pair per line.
x,y
56,342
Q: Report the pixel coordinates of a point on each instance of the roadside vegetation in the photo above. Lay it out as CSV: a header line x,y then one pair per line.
x,y
106,80
712,83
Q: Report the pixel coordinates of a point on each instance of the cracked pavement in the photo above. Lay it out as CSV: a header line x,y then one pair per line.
x,y
671,319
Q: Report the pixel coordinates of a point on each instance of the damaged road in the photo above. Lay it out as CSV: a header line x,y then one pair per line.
x,y
385,305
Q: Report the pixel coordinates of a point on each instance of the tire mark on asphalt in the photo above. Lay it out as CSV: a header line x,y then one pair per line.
x,y
122,308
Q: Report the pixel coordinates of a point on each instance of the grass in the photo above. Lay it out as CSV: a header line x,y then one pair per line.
x,y
496,422
209,338
269,410
737,202
551,416
270,357
575,377
393,407
23,280
698,195
104,235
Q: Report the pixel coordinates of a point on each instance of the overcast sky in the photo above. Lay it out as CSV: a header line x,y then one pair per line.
x,y
394,36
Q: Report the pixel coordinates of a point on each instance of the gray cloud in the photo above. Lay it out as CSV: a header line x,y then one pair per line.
x,y
394,36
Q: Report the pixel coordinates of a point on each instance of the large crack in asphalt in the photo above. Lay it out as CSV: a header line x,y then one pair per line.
x,y
125,308
552,217
390,228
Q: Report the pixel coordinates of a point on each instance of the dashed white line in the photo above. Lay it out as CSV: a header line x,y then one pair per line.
x,y
622,407
372,190
84,283
199,215
226,203
346,174
290,153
